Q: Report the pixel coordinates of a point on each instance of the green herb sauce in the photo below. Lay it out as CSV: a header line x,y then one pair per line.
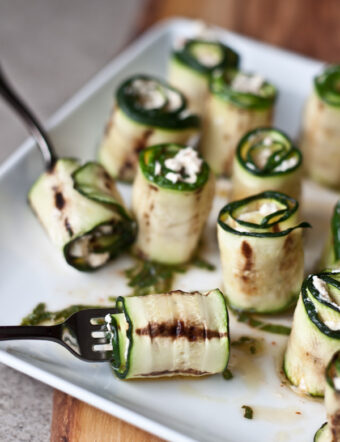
x,y
264,326
41,315
147,277
248,412
227,374
251,345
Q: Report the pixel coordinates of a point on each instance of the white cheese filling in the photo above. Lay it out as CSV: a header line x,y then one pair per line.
x,y
153,96
185,162
286,164
80,248
254,216
321,287
336,382
262,157
265,209
208,56
247,83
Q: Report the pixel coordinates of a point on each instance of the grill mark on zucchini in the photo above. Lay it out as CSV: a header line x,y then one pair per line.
x,y
166,372
247,252
178,329
141,142
335,424
59,200
153,188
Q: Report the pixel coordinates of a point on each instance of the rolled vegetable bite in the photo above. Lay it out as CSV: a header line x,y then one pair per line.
x,y
82,212
191,66
331,254
237,103
330,431
170,334
266,160
320,139
79,206
147,112
315,335
171,200
261,252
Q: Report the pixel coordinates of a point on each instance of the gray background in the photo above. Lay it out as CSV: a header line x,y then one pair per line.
x,y
49,49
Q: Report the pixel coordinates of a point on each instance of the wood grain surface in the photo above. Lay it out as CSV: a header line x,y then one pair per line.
x,y
310,27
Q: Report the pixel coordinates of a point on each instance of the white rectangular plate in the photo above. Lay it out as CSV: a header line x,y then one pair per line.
x,y
33,271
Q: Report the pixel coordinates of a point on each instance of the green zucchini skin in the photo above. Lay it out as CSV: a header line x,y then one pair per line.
x,y
83,213
229,115
320,137
262,260
253,174
331,253
190,74
136,123
170,216
312,342
170,334
323,434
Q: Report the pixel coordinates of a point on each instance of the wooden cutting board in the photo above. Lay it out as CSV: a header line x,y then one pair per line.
x,y
306,26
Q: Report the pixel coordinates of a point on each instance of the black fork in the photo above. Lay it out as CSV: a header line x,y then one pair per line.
x,y
84,334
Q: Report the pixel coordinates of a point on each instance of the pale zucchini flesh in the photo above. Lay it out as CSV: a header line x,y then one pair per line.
x,y
315,336
320,138
262,260
191,66
131,127
330,431
83,213
170,217
170,334
228,117
331,254
266,159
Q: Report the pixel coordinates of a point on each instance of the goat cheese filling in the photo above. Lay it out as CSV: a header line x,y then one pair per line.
x,y
321,287
184,166
152,95
254,216
207,54
81,247
247,84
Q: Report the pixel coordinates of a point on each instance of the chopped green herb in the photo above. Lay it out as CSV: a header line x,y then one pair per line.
x,y
264,326
247,343
40,315
227,374
248,412
147,277
202,263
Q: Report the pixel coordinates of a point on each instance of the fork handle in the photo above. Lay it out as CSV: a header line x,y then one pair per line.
x,y
49,332
34,127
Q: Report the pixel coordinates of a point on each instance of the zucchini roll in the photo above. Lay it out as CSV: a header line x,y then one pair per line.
x,y
171,200
261,252
238,102
330,432
82,212
320,140
315,335
170,334
331,254
147,112
266,160
191,66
